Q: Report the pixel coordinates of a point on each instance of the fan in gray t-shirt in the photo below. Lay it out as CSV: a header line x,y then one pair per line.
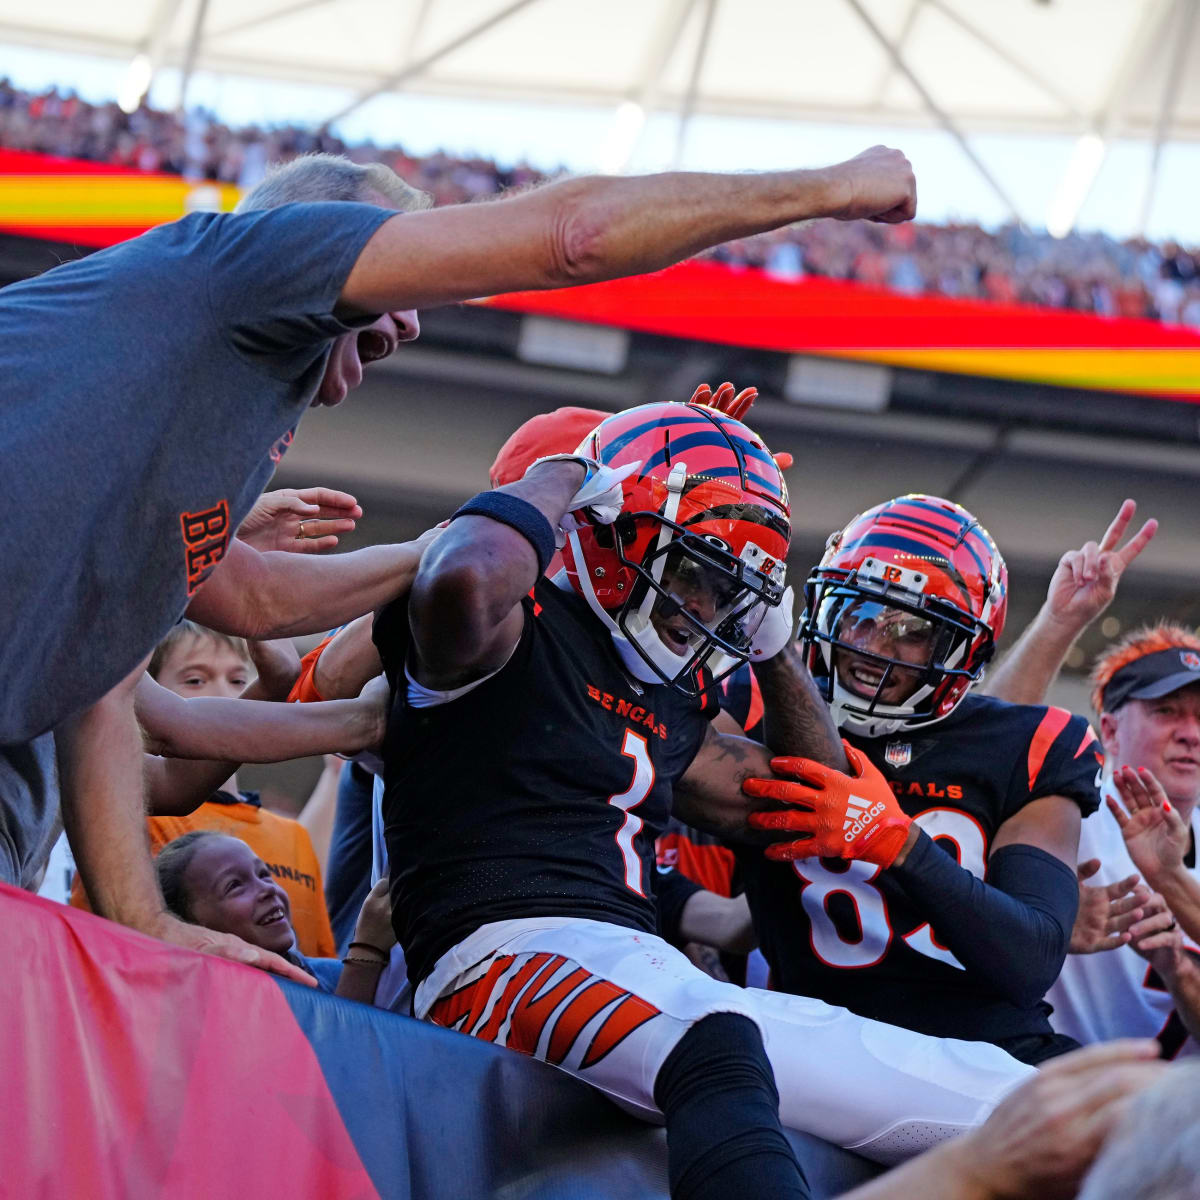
x,y
143,389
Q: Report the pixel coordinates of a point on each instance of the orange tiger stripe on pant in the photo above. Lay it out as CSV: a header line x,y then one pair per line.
x,y
533,1008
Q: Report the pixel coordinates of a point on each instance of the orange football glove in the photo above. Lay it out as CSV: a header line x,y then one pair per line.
x,y
845,816
736,407
724,399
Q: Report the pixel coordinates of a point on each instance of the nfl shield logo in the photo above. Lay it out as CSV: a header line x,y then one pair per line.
x,y
1191,660
898,754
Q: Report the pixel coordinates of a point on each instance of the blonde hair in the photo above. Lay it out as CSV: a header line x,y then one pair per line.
x,y
189,629
324,177
1149,639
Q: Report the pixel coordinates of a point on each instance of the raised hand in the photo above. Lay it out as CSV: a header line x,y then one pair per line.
x,y
876,185
1106,913
1155,834
302,522
1156,936
735,406
1085,581
724,400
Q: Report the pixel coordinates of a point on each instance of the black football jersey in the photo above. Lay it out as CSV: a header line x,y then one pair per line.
x,y
538,793
847,933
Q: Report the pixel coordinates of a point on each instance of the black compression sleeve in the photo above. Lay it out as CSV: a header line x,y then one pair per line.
x,y
1011,931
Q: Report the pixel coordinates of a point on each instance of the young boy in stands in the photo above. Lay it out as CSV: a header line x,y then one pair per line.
x,y
194,661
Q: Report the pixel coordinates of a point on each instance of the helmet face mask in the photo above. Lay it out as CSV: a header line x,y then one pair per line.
x,y
902,614
697,602
685,575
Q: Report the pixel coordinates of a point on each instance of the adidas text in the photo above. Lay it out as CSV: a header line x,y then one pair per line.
x,y
857,819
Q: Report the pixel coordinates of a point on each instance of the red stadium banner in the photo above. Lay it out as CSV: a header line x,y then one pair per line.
x,y
98,204
713,303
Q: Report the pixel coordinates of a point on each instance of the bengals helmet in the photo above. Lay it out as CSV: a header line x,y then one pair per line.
x,y
683,577
902,614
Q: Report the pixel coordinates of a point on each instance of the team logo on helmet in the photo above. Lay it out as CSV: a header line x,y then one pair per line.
x,y
684,576
902,614
1190,659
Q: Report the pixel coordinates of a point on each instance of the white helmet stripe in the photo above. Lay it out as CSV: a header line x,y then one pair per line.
x,y
675,481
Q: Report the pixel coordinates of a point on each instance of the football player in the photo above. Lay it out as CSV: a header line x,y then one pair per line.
x,y
954,917
541,732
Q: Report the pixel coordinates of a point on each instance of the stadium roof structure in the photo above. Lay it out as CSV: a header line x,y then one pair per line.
x,y
1095,69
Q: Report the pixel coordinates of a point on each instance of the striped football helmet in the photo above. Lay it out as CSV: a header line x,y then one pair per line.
x,y
902,614
683,577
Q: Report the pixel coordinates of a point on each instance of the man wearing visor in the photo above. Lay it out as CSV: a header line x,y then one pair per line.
x,y
1147,693
948,908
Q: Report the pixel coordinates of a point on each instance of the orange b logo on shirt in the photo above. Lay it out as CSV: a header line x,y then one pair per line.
x,y
205,538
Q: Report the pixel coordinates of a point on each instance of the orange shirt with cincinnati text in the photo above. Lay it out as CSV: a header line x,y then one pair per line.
x,y
282,843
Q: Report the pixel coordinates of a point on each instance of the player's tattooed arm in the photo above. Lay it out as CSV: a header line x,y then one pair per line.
x,y
709,794
797,722
465,609
796,719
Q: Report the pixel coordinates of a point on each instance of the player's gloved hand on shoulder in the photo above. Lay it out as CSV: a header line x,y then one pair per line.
x,y
598,499
776,631
852,816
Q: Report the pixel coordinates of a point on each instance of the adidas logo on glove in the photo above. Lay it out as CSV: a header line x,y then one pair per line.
x,y
873,827
859,816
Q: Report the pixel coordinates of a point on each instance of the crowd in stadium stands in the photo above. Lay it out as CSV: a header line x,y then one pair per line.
x,y
530,690
1085,272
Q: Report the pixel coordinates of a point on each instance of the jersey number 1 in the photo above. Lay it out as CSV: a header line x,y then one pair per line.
x,y
633,747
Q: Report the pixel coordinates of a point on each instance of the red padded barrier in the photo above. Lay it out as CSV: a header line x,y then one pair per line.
x,y
135,1069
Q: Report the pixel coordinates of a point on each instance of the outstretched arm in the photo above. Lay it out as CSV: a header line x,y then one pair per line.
x,y
255,731
278,594
100,773
1157,839
348,663
178,786
588,229
1081,588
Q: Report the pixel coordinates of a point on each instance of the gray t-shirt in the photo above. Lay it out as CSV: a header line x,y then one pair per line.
x,y
143,393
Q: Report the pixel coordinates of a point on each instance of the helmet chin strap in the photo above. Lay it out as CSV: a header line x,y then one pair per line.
x,y
640,628
633,658
675,481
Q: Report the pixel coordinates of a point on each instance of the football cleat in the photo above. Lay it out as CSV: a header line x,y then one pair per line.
x,y
684,576
902,614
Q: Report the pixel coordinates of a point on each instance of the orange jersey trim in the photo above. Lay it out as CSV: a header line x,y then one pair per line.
x,y
1052,724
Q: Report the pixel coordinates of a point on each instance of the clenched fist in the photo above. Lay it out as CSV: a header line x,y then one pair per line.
x,y
876,185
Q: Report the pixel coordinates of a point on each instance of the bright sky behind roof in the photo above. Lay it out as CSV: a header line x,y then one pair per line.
x,y
582,139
